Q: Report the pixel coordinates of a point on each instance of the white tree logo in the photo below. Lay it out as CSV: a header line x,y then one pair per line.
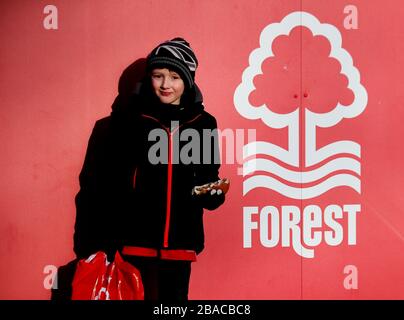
x,y
344,153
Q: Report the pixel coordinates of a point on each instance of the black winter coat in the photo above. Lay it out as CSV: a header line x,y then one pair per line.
x,y
124,200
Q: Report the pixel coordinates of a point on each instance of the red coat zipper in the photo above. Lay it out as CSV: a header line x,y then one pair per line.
x,y
169,173
169,185
134,179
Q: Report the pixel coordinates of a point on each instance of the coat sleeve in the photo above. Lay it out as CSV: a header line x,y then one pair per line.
x,y
93,225
208,171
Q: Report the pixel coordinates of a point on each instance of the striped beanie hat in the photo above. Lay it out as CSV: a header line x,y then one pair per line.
x,y
177,55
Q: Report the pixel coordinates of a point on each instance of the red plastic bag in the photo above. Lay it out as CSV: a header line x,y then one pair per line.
x,y
97,279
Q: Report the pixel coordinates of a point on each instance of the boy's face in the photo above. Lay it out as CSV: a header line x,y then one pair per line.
x,y
167,85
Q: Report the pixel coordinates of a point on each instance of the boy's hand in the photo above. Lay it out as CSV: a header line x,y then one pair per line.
x,y
217,187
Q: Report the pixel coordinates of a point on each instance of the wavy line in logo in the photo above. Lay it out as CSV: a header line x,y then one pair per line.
x,y
279,172
327,169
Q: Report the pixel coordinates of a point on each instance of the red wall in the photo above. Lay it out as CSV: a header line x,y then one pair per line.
x,y
56,83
